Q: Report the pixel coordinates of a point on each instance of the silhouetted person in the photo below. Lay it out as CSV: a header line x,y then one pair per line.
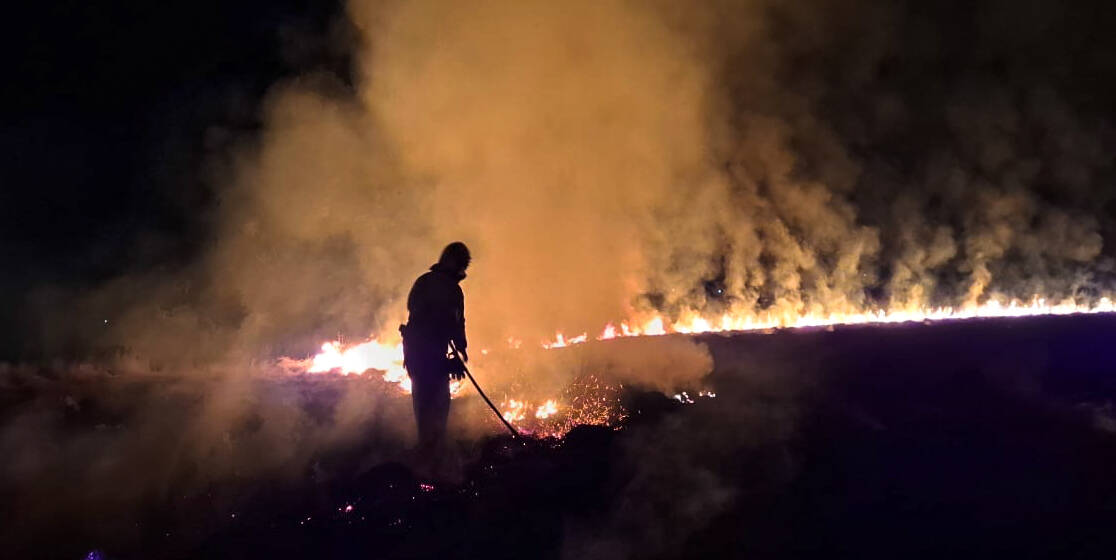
x,y
437,316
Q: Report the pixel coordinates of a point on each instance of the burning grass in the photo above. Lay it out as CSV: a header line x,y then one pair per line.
x,y
587,400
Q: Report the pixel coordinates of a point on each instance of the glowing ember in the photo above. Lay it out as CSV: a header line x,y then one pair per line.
x,y
590,403
686,398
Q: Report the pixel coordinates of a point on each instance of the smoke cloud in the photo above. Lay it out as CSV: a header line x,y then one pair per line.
x,y
605,159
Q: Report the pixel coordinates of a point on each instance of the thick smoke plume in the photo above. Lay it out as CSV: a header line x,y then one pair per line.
x,y
548,137
604,159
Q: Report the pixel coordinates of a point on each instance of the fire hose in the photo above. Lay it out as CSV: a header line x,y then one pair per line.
x,y
465,368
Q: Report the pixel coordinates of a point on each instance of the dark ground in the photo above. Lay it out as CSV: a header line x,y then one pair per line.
x,y
993,438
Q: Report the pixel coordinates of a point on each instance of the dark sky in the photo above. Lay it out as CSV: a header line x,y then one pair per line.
x,y
111,112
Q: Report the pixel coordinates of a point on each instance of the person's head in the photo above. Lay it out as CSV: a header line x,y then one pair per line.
x,y
455,257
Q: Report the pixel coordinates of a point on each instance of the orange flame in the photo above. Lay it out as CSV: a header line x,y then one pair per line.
x,y
695,323
387,356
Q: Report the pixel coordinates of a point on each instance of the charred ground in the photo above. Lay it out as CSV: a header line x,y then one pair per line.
x,y
975,438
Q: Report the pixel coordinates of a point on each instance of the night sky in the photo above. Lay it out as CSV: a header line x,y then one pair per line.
x,y
115,117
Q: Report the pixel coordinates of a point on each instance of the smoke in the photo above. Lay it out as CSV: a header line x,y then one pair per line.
x,y
561,142
602,159
693,469
527,130
605,159
88,449
608,159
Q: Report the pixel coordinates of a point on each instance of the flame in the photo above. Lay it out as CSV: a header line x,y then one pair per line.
x,y
362,357
553,418
547,409
371,354
695,323
516,410
560,341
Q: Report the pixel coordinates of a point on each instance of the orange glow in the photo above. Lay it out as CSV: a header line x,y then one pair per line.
x,y
554,418
547,409
515,410
695,323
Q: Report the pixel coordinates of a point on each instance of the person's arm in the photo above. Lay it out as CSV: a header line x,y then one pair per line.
x,y
459,340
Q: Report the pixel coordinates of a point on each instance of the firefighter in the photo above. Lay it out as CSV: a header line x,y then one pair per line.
x,y
436,306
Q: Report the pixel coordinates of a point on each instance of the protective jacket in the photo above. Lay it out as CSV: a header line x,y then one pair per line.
x,y
437,307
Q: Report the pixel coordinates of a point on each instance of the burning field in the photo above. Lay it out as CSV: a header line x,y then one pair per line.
x,y
749,278
988,436
589,401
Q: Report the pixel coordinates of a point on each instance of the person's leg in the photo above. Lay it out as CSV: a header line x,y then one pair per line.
x,y
424,400
429,398
439,412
